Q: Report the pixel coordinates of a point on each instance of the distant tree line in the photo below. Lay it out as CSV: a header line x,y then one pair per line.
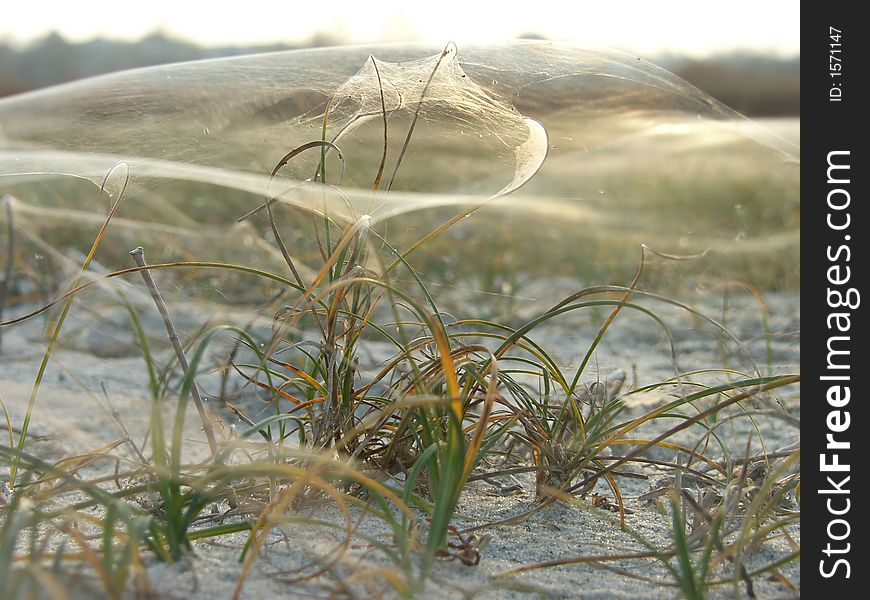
x,y
757,85
754,84
53,60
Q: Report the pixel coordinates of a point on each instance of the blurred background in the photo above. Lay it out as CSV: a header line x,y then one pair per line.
x,y
746,54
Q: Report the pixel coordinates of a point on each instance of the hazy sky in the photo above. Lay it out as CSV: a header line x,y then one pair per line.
x,y
642,26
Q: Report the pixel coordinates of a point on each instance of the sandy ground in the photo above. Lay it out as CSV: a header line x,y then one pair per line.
x,y
73,417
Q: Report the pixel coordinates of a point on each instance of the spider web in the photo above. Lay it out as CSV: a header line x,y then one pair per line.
x,y
577,134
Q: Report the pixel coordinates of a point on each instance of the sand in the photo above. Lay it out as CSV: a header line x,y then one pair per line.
x,y
72,416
